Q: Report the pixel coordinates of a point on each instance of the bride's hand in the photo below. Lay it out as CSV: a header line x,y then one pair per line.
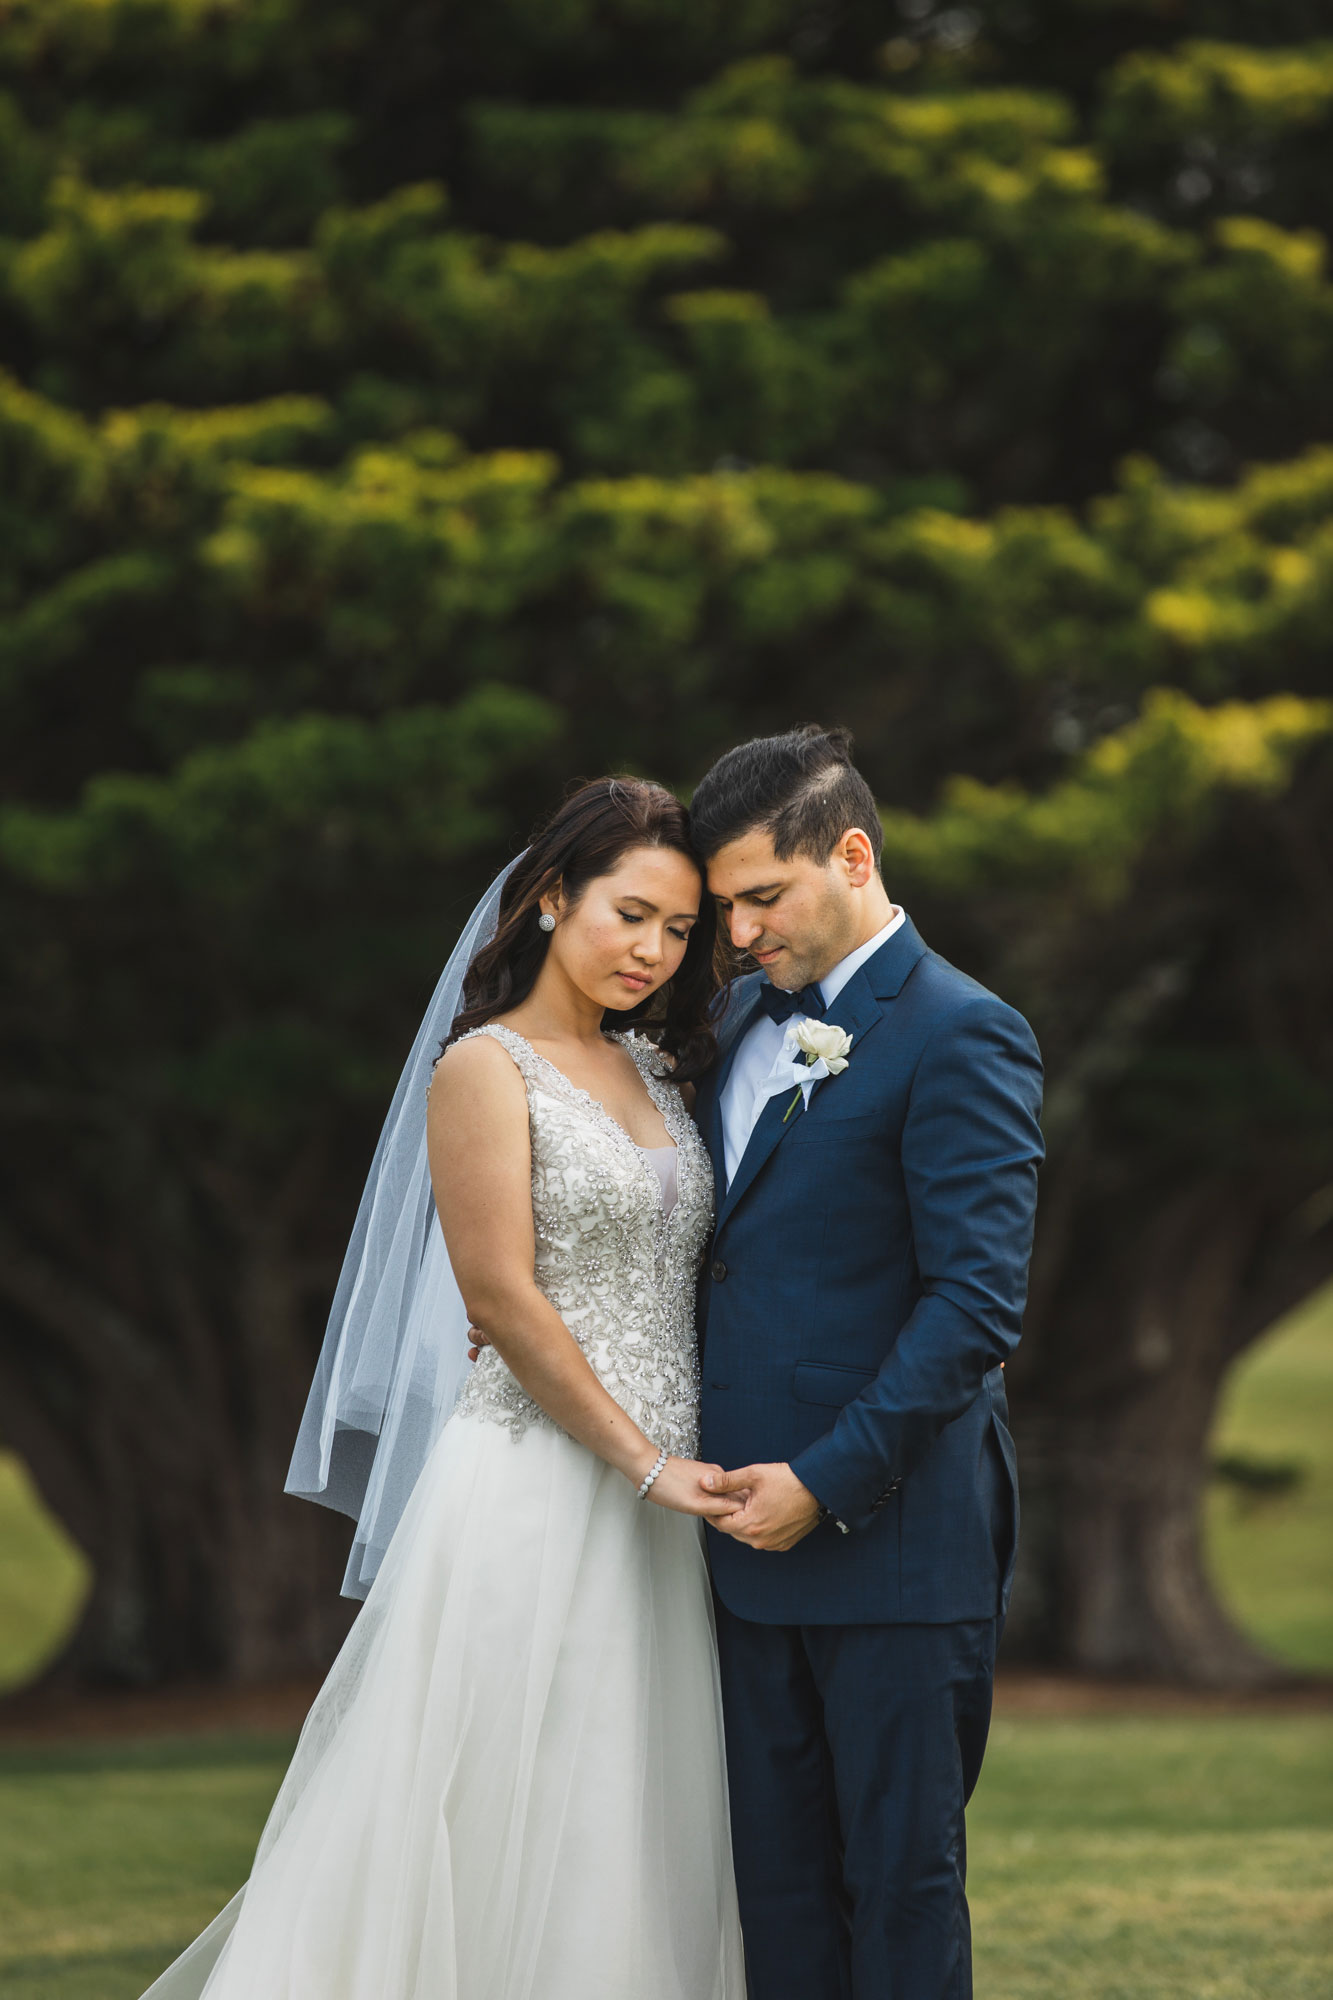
x,y
679,1486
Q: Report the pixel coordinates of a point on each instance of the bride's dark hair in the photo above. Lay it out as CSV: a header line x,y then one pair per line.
x,y
586,837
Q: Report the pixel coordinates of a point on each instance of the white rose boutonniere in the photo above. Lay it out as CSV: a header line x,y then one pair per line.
x,y
825,1049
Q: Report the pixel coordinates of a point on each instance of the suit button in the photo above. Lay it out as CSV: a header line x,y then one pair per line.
x,y
717,1270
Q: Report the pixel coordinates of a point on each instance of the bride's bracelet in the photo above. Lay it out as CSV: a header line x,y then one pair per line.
x,y
662,1457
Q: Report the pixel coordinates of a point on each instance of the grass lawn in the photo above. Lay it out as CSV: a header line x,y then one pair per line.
x,y
111,1859
1157,1858
1113,1859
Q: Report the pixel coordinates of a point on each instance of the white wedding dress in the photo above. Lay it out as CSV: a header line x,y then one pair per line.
x,y
511,1785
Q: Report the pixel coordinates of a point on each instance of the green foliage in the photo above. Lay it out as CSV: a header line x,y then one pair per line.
x,y
272,403
1224,94
228,817
1146,789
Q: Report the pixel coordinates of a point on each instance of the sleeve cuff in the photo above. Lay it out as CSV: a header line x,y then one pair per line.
x,y
839,1506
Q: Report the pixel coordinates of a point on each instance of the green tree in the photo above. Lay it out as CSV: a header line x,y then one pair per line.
x,y
404,408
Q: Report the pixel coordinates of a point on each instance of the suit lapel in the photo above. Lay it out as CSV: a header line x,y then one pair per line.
x,y
762,1140
712,1123
856,1010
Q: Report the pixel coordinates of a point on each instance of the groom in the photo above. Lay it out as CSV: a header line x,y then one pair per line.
x,y
865,1283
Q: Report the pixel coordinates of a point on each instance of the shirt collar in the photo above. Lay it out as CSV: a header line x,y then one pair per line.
x,y
832,983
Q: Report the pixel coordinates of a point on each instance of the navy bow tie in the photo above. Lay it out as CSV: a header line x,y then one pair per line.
x,y
780,1005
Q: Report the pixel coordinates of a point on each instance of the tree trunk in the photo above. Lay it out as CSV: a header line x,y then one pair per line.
x,y
156,1406
173,1600
1111,1579
1137,1320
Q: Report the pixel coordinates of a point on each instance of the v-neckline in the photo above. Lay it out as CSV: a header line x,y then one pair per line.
x,y
595,1103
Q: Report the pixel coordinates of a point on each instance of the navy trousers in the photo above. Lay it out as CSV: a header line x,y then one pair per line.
x,y
851,1753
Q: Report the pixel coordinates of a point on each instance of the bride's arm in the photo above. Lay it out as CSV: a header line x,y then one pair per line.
x,y
481,1172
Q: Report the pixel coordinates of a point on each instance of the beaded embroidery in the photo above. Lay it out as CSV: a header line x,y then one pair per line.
x,y
620,1273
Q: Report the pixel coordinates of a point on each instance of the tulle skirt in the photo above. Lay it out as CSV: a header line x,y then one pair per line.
x,y
511,1785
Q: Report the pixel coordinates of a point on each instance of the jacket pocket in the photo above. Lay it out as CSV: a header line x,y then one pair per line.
x,y
831,1383
831,1124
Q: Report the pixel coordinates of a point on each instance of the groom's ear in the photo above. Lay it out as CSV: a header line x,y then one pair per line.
x,y
857,856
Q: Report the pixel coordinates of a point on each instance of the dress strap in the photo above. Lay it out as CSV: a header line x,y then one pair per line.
x,y
655,1069
652,1065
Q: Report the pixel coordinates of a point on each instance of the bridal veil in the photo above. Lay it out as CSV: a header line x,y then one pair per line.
x,y
394,1357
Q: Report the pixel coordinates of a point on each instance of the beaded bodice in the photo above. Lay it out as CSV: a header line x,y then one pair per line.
x,y
619,1270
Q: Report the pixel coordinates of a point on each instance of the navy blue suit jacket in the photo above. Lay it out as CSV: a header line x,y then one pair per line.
x,y
866,1279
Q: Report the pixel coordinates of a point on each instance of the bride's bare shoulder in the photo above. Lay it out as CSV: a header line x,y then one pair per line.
x,y
478,1067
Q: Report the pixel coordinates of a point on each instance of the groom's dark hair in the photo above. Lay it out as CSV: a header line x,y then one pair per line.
x,y
801,788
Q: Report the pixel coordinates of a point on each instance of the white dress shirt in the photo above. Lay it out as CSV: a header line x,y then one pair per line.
x,y
761,1047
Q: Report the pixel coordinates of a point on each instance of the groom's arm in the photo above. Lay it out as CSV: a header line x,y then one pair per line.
x,y
971,1147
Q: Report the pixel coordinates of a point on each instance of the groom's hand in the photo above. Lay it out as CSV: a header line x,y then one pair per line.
x,y
779,1511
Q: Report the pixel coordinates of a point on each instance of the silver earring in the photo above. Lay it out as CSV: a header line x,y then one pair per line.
x,y
546,922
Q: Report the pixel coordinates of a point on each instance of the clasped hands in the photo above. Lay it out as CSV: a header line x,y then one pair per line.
x,y
776,1511
771,1510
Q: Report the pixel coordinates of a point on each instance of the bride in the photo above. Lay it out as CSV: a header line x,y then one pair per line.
x,y
511,1785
